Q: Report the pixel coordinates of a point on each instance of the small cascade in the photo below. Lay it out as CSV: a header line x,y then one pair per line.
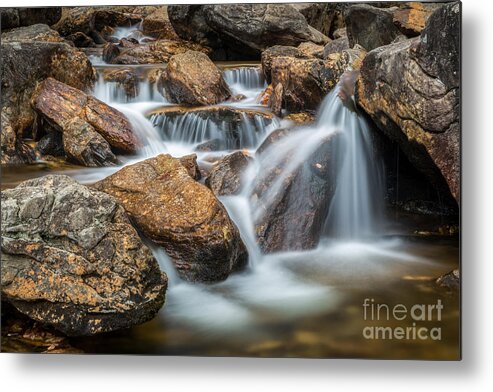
x,y
113,92
247,78
195,127
245,81
131,32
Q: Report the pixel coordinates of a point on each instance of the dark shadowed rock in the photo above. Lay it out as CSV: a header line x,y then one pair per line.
x,y
181,215
58,104
292,217
242,31
411,91
450,281
226,175
71,259
192,78
21,74
18,17
81,40
83,145
370,27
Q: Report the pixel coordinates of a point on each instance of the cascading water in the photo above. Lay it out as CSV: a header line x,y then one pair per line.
x,y
270,285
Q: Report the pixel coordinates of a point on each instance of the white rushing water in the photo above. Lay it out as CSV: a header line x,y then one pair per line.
x,y
272,289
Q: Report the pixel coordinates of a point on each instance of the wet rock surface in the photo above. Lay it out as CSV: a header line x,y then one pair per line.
x,y
225,178
411,91
181,215
71,259
293,218
192,78
58,104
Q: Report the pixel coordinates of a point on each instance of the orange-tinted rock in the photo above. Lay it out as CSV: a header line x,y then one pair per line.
x,y
192,78
157,25
59,103
181,215
411,18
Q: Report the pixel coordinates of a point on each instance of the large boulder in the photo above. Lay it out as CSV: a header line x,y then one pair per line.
x,y
291,203
18,17
58,104
71,259
305,82
370,27
271,53
181,215
192,78
411,91
243,30
20,74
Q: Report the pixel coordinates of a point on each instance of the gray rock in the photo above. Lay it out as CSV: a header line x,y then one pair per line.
x,y
71,259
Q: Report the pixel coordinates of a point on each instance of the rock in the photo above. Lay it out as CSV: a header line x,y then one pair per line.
x,y
20,74
81,40
37,32
302,118
309,49
243,31
18,17
370,27
264,97
181,215
157,25
83,145
58,104
189,162
50,144
450,280
210,145
292,218
225,177
271,53
340,33
91,20
71,259
156,52
125,78
305,82
411,90
14,150
411,18
320,16
335,46
192,78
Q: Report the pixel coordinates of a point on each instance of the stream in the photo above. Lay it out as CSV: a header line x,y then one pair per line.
x,y
296,303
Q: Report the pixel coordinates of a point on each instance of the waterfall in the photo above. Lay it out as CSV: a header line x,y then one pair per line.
x,y
245,78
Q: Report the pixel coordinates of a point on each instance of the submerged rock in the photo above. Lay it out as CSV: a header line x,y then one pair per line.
x,y
225,178
181,215
411,90
58,104
192,78
71,259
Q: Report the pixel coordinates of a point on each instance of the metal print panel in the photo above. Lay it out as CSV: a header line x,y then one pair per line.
x,y
264,180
